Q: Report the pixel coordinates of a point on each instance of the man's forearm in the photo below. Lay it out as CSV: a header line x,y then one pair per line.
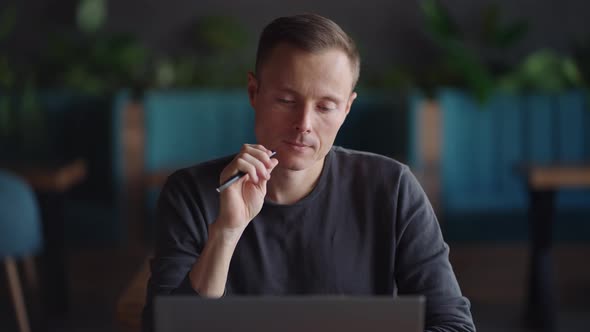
x,y
209,274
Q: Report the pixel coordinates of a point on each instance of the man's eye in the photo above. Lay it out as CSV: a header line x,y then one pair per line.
x,y
285,101
324,108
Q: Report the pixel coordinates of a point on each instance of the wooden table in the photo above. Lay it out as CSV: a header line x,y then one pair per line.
x,y
50,181
50,177
542,184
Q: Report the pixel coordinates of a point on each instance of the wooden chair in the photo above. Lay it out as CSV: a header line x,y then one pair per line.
x,y
132,300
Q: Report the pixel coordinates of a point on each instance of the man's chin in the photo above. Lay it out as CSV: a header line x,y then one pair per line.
x,y
294,166
295,163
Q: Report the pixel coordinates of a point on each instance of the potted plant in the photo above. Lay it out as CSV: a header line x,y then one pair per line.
x,y
490,115
59,106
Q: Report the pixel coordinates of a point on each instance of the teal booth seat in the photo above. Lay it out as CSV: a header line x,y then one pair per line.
x,y
186,127
483,143
20,224
183,128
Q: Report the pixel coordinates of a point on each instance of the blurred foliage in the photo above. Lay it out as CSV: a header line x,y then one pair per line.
x,y
219,52
90,60
91,15
475,60
6,76
221,34
87,61
218,57
461,62
582,59
543,71
581,56
97,65
497,35
7,21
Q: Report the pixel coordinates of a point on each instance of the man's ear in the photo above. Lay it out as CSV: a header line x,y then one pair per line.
x,y
252,88
352,97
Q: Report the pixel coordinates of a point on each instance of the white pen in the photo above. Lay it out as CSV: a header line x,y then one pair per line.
x,y
236,177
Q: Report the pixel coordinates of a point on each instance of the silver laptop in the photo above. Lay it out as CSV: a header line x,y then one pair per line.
x,y
289,314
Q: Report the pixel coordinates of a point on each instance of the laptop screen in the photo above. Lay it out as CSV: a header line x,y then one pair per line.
x,y
290,314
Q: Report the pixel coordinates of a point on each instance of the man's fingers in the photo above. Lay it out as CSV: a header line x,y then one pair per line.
x,y
259,154
254,160
259,147
246,167
274,162
261,168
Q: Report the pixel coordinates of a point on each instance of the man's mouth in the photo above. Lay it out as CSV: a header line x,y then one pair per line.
x,y
296,144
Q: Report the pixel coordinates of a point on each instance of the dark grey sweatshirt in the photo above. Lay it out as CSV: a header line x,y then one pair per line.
x,y
367,228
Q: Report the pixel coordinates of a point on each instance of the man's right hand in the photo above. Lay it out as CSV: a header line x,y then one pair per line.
x,y
243,200
239,204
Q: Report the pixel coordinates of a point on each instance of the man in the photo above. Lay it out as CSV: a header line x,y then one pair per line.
x,y
314,219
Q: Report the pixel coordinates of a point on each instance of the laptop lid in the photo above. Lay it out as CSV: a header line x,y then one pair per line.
x,y
289,314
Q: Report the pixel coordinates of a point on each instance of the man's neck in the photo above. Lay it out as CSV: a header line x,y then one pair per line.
x,y
288,186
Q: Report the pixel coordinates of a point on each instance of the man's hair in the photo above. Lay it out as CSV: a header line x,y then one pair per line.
x,y
309,32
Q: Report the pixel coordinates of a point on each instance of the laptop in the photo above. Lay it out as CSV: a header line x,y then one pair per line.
x,y
289,314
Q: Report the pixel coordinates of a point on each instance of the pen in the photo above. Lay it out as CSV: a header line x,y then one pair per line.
x,y
236,177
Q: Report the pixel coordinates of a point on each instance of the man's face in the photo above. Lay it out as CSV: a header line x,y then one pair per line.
x,y
301,99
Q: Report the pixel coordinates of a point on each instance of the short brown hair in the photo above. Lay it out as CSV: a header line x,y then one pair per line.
x,y
309,32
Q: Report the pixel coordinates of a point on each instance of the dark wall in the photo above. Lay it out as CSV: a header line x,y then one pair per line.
x,y
386,30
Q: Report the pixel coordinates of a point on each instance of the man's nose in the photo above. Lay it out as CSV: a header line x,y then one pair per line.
x,y
303,120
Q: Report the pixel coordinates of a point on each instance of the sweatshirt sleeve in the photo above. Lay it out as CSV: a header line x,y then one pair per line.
x,y
181,232
422,261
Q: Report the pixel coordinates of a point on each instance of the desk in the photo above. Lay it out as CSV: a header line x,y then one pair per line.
x,y
50,181
542,183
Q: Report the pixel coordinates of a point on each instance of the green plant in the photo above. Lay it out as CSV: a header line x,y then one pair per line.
x,y
220,34
581,55
475,62
92,61
463,62
218,57
543,71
